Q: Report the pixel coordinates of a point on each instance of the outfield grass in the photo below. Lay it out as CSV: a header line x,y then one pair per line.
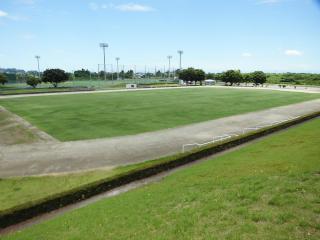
x,y
90,116
266,190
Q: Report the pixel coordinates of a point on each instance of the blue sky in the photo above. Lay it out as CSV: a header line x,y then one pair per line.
x,y
216,35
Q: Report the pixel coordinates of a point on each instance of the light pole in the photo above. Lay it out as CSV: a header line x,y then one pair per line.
x,y
169,58
180,52
117,59
38,59
145,72
104,46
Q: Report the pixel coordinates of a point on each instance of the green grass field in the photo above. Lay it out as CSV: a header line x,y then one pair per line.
x,y
266,190
19,192
39,90
90,116
83,83
25,190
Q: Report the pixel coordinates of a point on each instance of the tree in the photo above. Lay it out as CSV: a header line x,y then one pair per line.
x,y
3,79
210,76
259,77
159,74
129,74
247,78
192,75
33,81
54,76
83,74
232,77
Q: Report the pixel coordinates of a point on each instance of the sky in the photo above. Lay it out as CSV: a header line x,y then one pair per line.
x,y
215,35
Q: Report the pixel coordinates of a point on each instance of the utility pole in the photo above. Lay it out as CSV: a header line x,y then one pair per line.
x,y
180,52
38,59
104,46
117,59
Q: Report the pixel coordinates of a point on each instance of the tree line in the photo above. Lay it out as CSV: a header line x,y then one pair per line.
x,y
190,76
53,76
230,77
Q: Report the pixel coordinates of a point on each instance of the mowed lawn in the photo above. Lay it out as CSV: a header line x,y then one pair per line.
x,y
267,190
90,116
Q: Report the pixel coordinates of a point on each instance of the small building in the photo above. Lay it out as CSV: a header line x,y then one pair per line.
x,y
209,82
131,86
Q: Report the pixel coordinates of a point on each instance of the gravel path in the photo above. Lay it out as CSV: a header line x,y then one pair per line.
x,y
56,157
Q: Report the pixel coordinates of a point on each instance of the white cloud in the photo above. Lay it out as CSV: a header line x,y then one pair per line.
x,y
132,7
11,17
128,7
3,13
268,2
93,6
27,2
292,52
247,55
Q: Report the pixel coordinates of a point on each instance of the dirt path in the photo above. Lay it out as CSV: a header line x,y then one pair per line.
x,y
45,158
269,87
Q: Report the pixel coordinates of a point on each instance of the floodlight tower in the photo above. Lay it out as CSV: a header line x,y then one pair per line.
x,y
145,71
180,52
117,59
104,46
169,58
38,60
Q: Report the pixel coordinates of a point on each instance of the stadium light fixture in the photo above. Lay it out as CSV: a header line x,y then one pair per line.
x,y
38,60
104,46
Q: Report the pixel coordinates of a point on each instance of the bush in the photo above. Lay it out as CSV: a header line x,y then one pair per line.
x,y
33,81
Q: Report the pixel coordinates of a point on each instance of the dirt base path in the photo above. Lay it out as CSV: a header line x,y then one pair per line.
x,y
54,157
